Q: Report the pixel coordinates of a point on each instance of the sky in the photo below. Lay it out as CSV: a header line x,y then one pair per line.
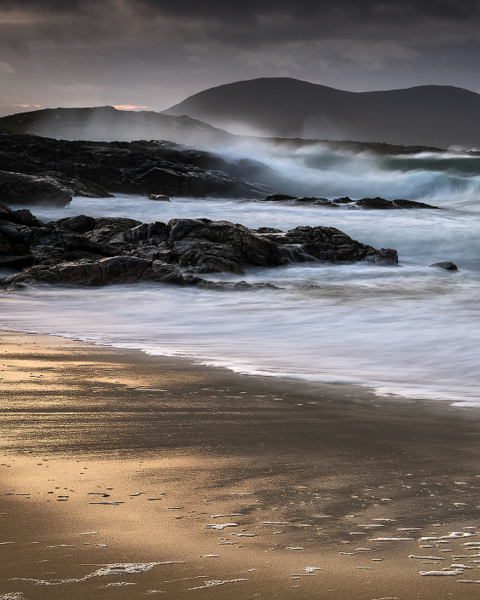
x,y
152,54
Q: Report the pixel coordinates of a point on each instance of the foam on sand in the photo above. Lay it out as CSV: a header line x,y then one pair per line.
x,y
392,539
440,573
454,535
112,569
216,582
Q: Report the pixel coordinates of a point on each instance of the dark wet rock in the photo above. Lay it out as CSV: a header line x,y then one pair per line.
x,y
364,203
78,224
278,198
147,234
180,228
382,204
91,251
447,265
412,204
117,224
14,252
344,200
19,217
99,169
29,190
41,236
80,243
108,271
237,286
267,230
311,200
84,224
330,245
87,189
159,198
322,202
216,246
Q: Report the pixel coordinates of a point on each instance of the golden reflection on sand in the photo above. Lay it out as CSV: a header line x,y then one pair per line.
x,y
123,476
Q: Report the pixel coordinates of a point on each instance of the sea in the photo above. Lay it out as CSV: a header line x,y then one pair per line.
x,y
412,330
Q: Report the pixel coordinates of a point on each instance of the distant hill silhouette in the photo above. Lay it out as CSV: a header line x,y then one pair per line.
x,y
105,123
432,115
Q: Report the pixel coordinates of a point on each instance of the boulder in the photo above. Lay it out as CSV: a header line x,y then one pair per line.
x,y
447,266
14,252
159,198
87,189
279,198
108,271
331,245
19,217
382,204
215,246
28,190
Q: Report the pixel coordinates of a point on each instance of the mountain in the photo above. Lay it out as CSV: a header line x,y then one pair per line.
x,y
105,123
433,115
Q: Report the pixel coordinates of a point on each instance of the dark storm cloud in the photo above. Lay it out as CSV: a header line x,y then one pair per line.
x,y
156,52
249,25
250,12
447,9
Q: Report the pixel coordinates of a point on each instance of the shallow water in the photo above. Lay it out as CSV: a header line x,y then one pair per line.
x,y
412,330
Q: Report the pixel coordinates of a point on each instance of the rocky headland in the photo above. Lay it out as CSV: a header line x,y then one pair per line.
x,y
91,251
38,170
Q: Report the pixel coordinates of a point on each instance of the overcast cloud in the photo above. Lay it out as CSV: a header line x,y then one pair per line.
x,y
154,53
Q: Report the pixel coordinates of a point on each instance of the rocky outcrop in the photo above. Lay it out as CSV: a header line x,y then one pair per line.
x,y
107,271
329,244
14,252
28,190
91,251
220,246
365,203
99,169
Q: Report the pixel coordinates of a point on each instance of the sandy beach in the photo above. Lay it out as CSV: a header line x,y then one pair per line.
x,y
125,475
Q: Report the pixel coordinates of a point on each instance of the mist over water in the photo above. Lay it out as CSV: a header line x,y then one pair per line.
x,y
413,329
318,171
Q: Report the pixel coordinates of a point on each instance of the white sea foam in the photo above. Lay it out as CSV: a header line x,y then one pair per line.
x,y
104,570
427,557
216,583
220,526
441,573
392,539
454,535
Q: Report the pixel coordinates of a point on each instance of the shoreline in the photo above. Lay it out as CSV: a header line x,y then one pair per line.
x,y
324,464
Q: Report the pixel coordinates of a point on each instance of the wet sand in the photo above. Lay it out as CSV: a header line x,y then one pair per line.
x,y
124,476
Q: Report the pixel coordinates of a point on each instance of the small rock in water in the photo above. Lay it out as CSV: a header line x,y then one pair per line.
x,y
447,266
279,198
159,197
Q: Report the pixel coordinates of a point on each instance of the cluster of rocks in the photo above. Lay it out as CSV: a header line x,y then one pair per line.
x,y
37,170
84,250
366,203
